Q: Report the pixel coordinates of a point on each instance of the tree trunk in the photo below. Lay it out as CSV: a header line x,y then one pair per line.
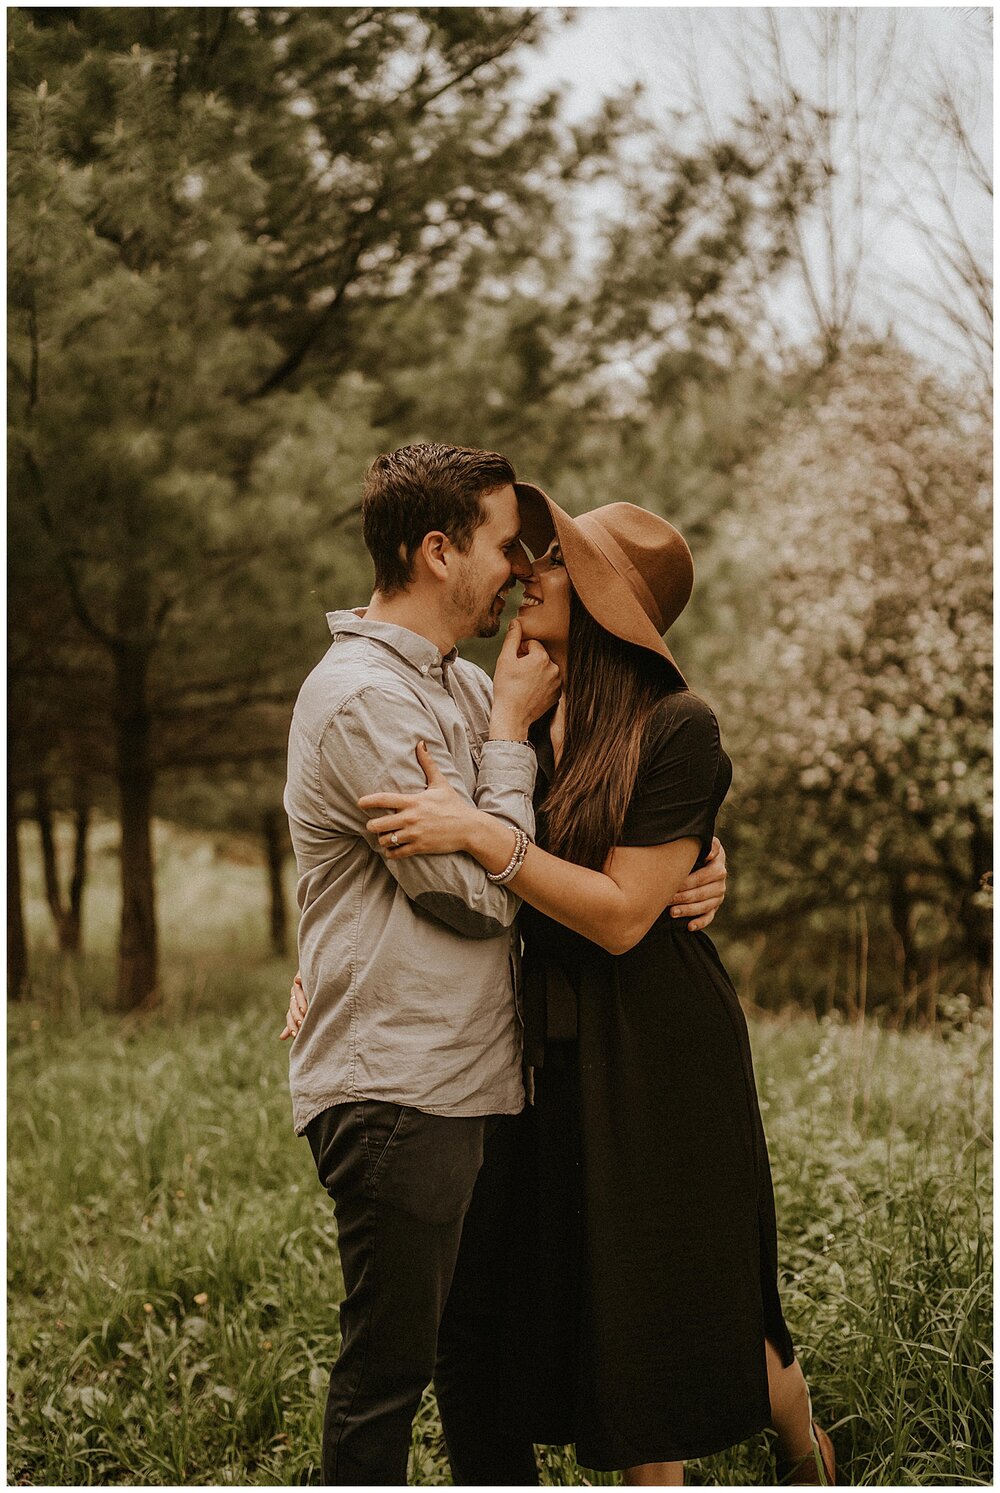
x,y
901,912
65,914
973,912
17,946
81,828
137,952
275,838
50,864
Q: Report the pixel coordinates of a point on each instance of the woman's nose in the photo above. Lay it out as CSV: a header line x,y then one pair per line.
x,y
520,564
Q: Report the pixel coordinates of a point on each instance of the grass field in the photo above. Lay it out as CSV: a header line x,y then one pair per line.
x,y
173,1280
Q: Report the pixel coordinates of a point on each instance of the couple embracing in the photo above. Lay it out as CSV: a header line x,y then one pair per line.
x,y
541,1136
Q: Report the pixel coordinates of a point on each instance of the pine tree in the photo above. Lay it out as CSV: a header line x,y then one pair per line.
x,y
207,207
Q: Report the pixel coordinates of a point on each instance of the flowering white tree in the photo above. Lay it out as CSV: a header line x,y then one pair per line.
x,y
860,685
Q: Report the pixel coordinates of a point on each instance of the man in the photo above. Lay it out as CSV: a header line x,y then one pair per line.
x,y
407,1066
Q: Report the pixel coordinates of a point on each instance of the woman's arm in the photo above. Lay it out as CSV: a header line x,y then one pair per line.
x,y
614,907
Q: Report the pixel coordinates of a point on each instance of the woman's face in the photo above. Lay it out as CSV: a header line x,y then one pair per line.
x,y
544,611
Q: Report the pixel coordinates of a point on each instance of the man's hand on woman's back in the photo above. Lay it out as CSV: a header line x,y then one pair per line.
x,y
703,893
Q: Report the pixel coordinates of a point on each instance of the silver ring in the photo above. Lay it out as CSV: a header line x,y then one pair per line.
x,y
394,838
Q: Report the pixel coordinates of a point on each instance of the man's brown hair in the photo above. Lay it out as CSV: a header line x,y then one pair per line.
x,y
418,489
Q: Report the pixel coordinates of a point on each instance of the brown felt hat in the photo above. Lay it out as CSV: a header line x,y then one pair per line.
x,y
630,568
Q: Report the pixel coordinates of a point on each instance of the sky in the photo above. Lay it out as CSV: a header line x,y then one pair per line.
x,y
892,65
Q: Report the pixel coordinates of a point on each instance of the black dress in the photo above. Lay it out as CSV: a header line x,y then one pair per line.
x,y
645,1279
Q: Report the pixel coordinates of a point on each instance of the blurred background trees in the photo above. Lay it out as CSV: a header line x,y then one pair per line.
x,y
859,689
248,248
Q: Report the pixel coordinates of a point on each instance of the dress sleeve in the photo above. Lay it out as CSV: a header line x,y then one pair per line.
x,y
674,795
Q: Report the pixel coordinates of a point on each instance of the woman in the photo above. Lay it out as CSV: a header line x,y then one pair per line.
x,y
649,1275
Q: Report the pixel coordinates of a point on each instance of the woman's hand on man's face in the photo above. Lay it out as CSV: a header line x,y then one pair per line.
x,y
434,822
526,683
703,893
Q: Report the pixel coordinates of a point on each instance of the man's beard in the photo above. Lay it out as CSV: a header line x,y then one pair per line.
x,y
489,623
485,615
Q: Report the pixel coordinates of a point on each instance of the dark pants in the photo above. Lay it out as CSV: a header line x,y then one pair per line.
x,y
422,1216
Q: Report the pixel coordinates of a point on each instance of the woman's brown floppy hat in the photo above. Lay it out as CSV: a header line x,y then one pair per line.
x,y
630,568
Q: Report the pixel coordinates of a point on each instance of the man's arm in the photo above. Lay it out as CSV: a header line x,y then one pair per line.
x,y
369,745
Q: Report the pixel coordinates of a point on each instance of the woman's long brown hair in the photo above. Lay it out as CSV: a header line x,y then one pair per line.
x,y
611,688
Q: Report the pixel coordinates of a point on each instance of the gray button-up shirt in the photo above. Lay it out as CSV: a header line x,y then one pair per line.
x,y
407,964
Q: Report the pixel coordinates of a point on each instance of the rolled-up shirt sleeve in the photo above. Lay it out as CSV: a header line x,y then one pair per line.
x,y
506,783
369,746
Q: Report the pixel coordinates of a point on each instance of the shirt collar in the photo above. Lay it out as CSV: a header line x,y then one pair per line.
x,y
411,646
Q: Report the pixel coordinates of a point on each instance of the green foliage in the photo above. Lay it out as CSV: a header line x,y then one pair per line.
x,y
684,271
151,1161
206,210
214,219
174,1282
249,248
133,259
856,673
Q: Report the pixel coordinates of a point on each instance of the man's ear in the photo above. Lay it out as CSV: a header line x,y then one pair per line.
x,y
436,549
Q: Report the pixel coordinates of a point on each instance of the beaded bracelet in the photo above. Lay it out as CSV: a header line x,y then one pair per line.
x,y
515,863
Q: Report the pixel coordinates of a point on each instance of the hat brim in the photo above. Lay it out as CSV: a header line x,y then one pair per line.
x,y
601,588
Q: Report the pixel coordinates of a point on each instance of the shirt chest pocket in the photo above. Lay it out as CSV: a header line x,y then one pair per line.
x,y
466,744
474,724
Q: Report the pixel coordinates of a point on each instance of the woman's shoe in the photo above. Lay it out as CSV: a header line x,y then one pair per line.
x,y
817,1468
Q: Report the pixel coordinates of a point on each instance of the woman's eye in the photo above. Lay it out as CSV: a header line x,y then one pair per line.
x,y
556,557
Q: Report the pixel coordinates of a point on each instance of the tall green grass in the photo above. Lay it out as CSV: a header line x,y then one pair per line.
x,y
173,1277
